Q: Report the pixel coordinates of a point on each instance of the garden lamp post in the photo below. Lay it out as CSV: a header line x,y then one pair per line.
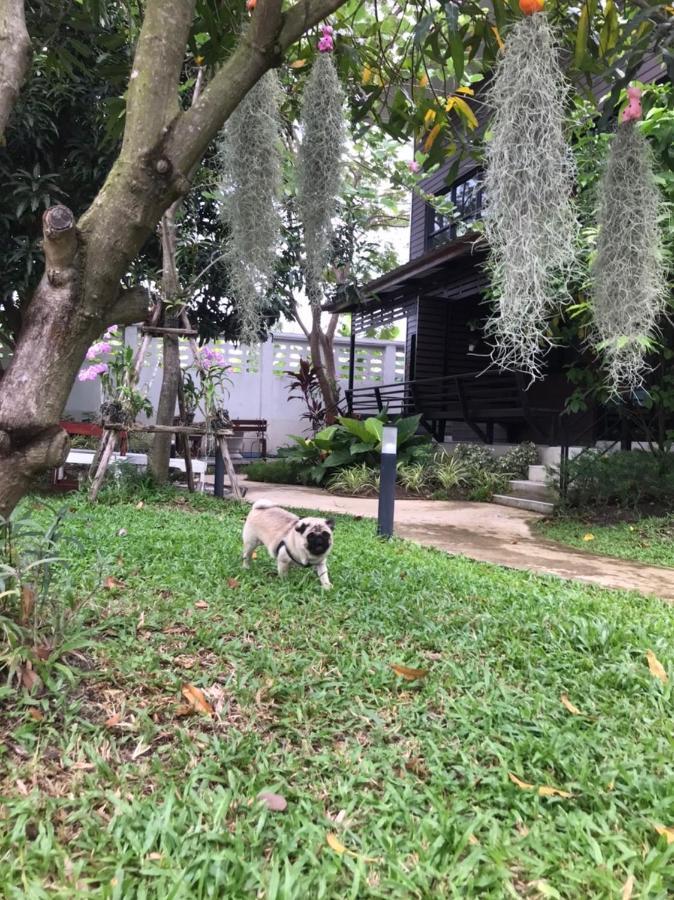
x,y
219,481
387,481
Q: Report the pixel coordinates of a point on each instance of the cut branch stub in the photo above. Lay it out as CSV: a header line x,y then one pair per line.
x,y
60,244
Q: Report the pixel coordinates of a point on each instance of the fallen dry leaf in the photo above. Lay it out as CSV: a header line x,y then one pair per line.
x,y
656,668
112,720
201,604
610,785
520,784
588,537
417,766
335,844
140,750
35,714
27,603
43,651
232,583
473,840
522,829
569,705
140,504
546,791
184,710
666,832
29,679
113,584
407,673
196,699
253,554
628,889
155,856
274,802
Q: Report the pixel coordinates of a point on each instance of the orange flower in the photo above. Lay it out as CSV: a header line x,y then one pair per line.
x,y
529,7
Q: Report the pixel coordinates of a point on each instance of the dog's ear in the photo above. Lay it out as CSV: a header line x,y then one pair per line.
x,y
330,523
301,528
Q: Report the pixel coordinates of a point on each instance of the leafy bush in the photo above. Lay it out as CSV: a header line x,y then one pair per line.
x,y
415,478
625,478
355,480
353,441
36,614
517,460
476,457
483,484
451,473
278,471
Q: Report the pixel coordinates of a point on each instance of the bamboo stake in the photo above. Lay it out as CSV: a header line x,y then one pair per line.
x,y
103,466
229,468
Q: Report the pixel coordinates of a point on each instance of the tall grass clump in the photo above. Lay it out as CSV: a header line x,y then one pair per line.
x,y
250,154
628,274
530,219
319,168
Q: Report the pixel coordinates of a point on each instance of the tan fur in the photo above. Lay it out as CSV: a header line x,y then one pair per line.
x,y
269,524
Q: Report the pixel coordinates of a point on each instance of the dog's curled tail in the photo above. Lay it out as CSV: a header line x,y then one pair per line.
x,y
263,504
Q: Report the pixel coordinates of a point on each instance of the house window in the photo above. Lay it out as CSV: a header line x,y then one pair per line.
x,y
466,196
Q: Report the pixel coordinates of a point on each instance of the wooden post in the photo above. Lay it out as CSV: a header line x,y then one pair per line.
x,y
229,468
103,465
187,450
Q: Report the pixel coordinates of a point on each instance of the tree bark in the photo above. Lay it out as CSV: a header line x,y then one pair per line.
x,y
14,57
78,293
160,452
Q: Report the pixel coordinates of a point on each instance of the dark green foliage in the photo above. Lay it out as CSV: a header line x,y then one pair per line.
x,y
354,442
517,460
278,471
625,478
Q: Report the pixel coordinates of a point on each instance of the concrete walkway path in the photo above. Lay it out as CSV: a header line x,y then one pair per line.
x,y
485,532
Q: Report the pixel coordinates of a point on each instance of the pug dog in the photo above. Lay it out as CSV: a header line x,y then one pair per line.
x,y
289,539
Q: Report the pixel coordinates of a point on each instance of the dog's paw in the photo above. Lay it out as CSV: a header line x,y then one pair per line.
x,y
327,587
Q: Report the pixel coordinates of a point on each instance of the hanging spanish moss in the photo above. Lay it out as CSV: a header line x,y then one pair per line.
x,y
530,220
319,167
251,184
628,272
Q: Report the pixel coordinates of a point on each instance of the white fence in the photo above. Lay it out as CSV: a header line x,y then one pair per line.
x,y
259,386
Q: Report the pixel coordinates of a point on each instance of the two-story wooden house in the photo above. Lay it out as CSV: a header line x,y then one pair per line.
x,y
449,377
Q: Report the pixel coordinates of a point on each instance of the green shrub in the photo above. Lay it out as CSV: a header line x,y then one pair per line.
x,y
415,478
516,461
483,484
354,441
278,471
476,457
451,473
625,478
355,480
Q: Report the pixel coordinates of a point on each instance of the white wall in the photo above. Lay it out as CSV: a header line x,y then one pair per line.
x,y
259,388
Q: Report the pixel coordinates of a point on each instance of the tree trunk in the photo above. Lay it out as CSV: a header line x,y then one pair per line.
x,y
14,57
79,293
160,452
323,358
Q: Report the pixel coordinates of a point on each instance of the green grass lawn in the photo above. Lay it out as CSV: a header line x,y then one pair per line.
x,y
412,777
648,540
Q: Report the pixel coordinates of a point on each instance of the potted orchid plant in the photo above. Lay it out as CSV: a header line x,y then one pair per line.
x,y
112,361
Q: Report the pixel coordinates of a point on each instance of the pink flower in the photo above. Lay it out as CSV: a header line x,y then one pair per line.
x,y
414,166
96,349
326,43
91,373
632,112
113,329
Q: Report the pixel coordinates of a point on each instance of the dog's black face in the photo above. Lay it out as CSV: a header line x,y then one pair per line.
x,y
318,536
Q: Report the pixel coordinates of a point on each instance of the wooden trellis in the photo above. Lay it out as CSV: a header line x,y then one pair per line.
x,y
111,430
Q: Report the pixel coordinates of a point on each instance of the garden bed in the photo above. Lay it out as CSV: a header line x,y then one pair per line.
x,y
114,784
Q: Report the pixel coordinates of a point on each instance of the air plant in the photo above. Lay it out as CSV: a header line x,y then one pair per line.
x,y
250,153
319,164
530,219
628,273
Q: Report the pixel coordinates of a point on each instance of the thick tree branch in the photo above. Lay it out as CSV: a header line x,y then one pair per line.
x,y
270,34
153,85
130,307
14,57
20,462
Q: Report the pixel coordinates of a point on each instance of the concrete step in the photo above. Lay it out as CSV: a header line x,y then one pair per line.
x,y
538,474
533,490
538,506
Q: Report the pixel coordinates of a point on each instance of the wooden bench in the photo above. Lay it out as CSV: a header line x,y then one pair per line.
x,y
90,429
258,427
